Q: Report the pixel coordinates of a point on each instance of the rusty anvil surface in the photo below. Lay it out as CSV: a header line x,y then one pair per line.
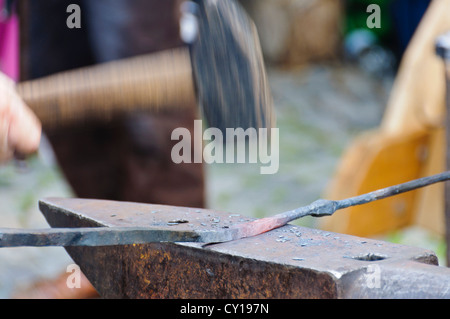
x,y
289,262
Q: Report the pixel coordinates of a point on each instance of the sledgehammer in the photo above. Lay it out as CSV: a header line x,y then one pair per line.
x,y
222,71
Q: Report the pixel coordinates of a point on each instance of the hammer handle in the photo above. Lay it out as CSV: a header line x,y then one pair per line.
x,y
151,82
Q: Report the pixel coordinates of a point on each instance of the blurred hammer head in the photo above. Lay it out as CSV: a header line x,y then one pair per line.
x,y
230,76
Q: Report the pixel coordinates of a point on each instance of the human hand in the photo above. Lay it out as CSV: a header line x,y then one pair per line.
x,y
20,129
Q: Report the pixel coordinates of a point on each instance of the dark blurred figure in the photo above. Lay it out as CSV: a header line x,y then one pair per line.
x,y
126,159
406,16
379,50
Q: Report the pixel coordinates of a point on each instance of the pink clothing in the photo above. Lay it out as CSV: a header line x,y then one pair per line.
x,y
9,46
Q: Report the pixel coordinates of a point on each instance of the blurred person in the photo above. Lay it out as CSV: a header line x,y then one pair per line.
x,y
20,130
128,158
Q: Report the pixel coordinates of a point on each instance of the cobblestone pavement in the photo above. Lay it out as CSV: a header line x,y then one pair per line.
x,y
320,109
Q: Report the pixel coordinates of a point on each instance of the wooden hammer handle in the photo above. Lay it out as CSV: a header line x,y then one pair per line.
x,y
151,82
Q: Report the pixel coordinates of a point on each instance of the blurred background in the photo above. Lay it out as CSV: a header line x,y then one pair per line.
x,y
331,78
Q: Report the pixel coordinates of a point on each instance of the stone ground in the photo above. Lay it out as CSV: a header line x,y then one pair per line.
x,y
320,109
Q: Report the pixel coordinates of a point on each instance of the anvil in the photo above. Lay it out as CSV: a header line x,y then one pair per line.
x,y
155,251
288,262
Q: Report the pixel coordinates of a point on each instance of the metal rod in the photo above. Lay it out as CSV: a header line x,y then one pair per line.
x,y
92,236
326,207
323,207
105,236
393,190
443,50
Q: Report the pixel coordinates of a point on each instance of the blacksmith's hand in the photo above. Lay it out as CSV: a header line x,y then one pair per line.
x,y
20,129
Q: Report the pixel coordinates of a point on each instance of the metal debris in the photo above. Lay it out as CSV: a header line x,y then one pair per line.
x,y
177,222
